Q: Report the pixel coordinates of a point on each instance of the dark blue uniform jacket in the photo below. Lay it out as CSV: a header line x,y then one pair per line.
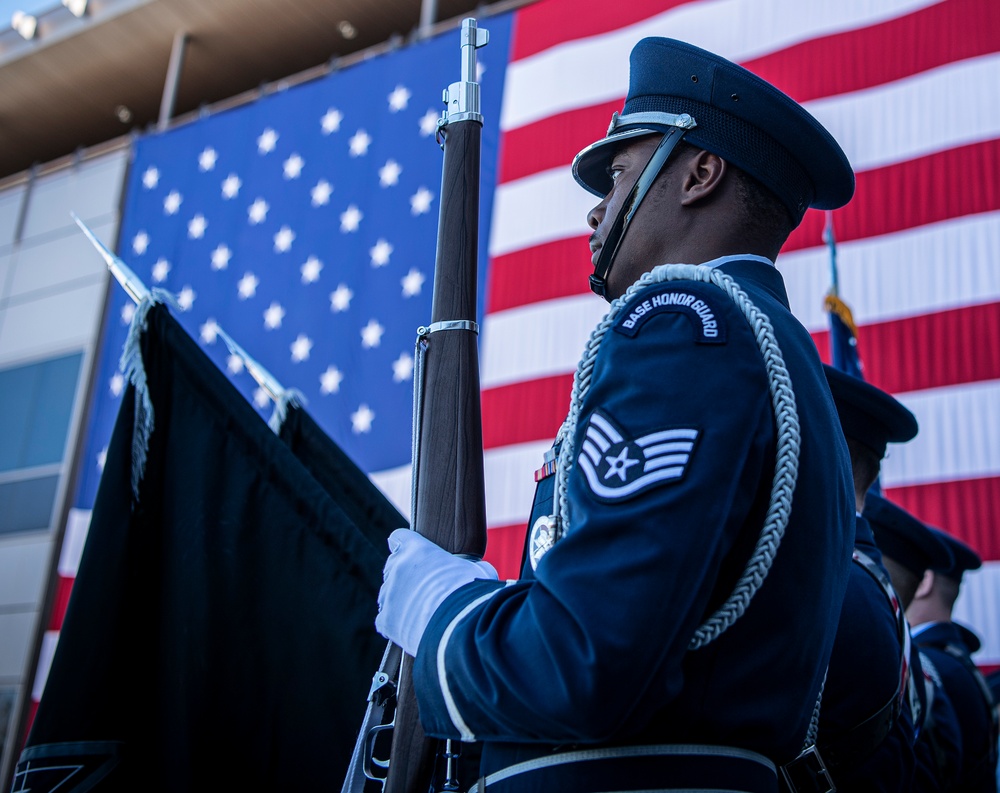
x,y
943,643
938,749
864,675
592,648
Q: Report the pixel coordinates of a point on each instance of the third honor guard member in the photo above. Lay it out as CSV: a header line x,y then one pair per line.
x,y
866,729
908,549
950,645
670,629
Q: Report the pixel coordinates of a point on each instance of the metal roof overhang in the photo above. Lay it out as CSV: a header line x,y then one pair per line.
x,y
84,81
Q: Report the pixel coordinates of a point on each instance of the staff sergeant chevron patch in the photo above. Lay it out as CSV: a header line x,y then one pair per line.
x,y
617,467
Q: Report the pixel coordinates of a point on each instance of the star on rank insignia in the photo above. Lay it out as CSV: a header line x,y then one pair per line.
x,y
617,467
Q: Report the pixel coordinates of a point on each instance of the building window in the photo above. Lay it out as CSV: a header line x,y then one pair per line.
x,y
36,405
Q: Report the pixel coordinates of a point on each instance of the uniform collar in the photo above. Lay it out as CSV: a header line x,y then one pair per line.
x,y
759,270
939,634
916,630
738,257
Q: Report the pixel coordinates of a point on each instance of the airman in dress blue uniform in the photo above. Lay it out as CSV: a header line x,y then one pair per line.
x,y
866,727
670,630
908,549
950,646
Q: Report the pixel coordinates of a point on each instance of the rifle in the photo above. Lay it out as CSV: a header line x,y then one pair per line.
x,y
449,501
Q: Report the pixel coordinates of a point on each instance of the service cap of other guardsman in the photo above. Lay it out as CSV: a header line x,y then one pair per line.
x,y
682,91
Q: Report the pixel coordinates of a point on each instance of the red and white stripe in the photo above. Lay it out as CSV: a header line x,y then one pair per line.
x,y
908,88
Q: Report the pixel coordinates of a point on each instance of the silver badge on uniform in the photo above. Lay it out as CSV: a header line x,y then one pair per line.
x,y
617,467
541,539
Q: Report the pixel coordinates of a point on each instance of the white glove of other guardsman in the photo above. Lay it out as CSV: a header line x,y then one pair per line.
x,y
418,577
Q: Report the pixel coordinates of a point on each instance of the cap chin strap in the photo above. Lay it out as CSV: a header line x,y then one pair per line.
x,y
599,279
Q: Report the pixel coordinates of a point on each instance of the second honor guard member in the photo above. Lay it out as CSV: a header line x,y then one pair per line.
x,y
866,730
950,645
670,629
908,549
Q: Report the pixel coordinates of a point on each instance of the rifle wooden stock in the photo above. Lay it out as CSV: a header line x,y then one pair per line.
x,y
451,501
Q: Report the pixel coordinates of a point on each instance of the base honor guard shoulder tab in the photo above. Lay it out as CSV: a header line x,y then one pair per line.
x,y
701,304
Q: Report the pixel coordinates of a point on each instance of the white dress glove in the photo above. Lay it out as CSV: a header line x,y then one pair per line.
x,y
418,577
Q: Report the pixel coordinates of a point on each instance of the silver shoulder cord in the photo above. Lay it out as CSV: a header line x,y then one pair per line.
x,y
787,425
786,466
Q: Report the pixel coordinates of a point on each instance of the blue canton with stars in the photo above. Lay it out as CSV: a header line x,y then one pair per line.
x,y
304,225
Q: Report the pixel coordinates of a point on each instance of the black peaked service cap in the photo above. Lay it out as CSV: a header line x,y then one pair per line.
x,y
962,556
904,538
736,115
868,414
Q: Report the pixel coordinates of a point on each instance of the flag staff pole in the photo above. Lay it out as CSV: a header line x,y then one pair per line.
x,y
138,291
831,243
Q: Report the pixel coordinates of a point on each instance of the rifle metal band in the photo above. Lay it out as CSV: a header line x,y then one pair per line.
x,y
451,324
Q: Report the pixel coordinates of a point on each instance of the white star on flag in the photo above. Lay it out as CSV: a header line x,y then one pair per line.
x,y
197,226
117,384
273,316
428,123
286,171
420,201
380,253
321,193
389,173
128,311
398,99
172,202
231,186
301,347
402,368
359,143
283,239
340,298
267,141
371,334
413,282
350,219
361,419
160,270
330,380
140,242
331,120
220,257
293,167
258,211
206,161
102,457
209,331
311,269
260,398
186,297
246,287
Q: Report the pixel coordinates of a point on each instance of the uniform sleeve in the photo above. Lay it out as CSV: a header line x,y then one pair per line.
x,y
675,444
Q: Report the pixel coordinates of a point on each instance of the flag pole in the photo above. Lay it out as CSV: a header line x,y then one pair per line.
x,y
138,291
132,284
831,243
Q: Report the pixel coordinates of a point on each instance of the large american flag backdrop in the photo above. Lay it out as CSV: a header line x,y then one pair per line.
x,y
303,224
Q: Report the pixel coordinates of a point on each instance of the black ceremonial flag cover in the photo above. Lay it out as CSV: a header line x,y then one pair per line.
x,y
220,632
